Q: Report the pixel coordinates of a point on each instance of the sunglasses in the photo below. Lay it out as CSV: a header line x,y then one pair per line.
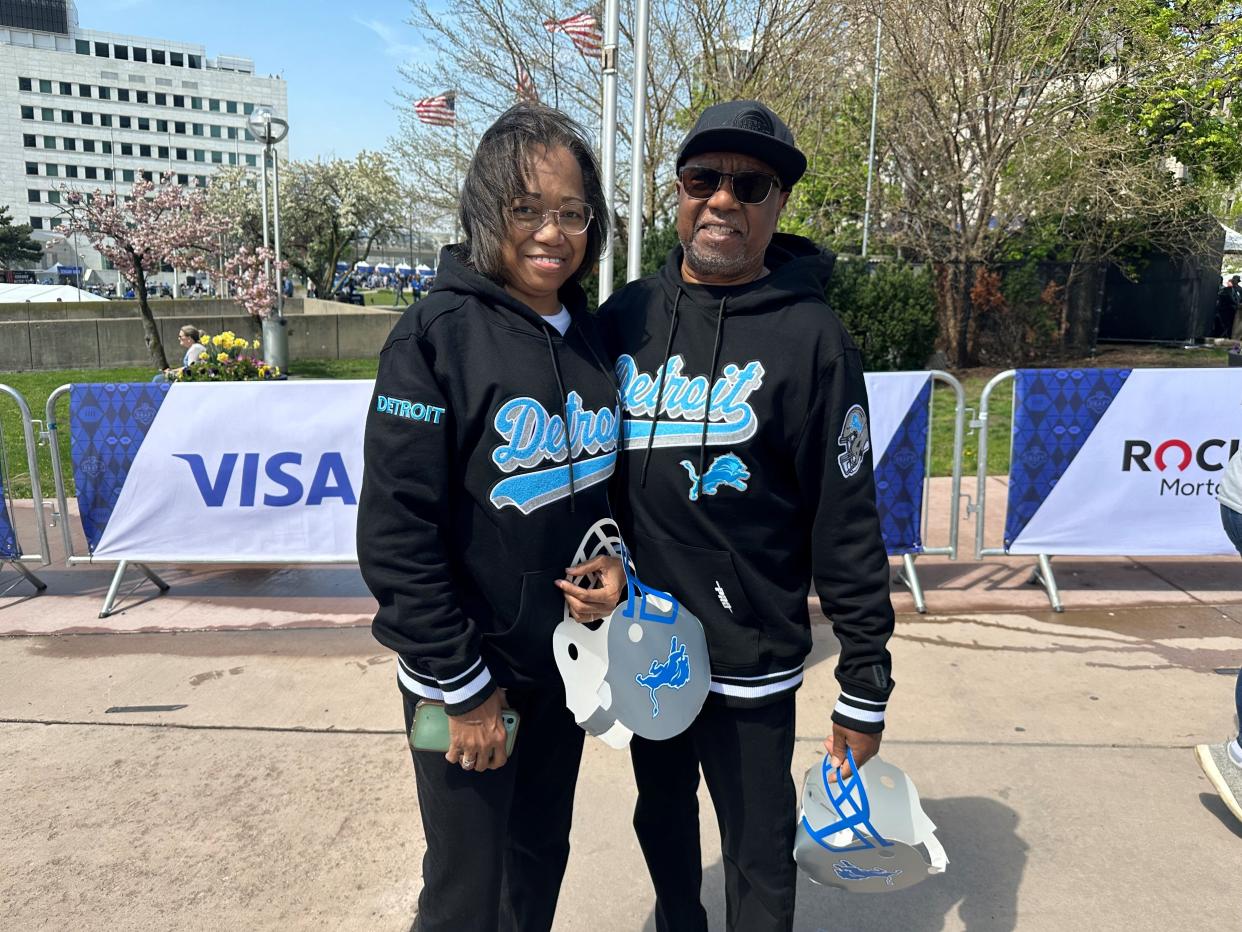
x,y
747,187
528,213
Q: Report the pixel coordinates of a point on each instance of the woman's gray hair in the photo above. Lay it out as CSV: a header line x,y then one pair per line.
x,y
499,172
189,330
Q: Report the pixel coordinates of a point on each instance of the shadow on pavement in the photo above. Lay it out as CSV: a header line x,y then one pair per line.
x,y
987,859
1215,805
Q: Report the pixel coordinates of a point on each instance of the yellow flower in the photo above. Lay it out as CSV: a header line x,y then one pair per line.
x,y
241,344
257,346
218,339
204,339
222,357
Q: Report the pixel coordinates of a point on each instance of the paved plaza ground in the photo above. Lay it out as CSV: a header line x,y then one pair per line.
x,y
274,789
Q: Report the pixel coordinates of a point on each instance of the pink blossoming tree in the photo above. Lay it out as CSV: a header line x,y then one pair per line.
x,y
155,225
249,281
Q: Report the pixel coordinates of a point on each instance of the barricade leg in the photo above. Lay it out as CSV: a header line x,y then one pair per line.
x,y
1043,576
109,605
908,575
23,575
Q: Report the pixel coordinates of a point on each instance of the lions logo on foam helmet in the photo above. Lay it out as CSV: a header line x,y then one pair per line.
x,y
862,832
641,671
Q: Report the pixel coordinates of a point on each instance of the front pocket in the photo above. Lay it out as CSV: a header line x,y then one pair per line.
x,y
706,582
526,645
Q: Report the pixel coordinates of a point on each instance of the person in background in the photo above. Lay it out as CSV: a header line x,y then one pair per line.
x,y
189,337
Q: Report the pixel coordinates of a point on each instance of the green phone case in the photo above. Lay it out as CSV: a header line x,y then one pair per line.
x,y
430,730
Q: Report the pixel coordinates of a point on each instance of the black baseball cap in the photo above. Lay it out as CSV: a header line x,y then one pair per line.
x,y
750,128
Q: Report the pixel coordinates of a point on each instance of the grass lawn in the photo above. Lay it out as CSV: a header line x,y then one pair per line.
x,y
35,387
385,297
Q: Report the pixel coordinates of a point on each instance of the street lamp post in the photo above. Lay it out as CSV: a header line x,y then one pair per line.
x,y
270,129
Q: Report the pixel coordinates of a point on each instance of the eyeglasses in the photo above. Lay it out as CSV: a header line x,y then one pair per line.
x,y
748,187
528,213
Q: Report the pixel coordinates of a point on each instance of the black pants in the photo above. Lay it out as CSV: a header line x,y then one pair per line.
x,y
498,841
745,755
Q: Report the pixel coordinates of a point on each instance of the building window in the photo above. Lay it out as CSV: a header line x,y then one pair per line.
x,y
183,179
232,132
162,152
66,89
28,140
107,172
147,176
127,174
217,158
183,155
45,87
83,47
157,56
231,106
88,119
49,142
23,84
144,123
92,173
84,90
121,52
125,122
252,160
248,109
32,168
105,119
179,100
161,126
36,223
48,114
232,158
71,171
66,116
196,103
55,222
140,54
247,135
198,129
176,59
194,61
71,145
179,128
52,171
161,100
53,197
101,49
27,113
142,97
200,155
105,93
213,104
122,94
127,148
215,132
88,145
144,152
105,148
33,197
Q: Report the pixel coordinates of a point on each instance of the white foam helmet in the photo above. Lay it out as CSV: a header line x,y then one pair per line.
x,y
642,670
866,833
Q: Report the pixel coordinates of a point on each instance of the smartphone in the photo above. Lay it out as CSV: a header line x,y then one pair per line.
x,y
430,730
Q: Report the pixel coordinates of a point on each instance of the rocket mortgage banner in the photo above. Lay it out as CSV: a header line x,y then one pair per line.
x,y
229,472
1120,461
899,424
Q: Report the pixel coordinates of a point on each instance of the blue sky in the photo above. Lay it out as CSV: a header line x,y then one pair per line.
x,y
339,59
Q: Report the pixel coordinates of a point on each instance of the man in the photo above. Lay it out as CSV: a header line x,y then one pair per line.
x,y
747,474
1227,301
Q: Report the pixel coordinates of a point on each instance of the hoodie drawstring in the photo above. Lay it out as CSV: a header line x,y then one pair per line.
x,y
569,434
655,417
711,381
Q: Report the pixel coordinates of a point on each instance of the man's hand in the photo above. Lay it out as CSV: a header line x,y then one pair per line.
x,y
477,738
863,745
592,604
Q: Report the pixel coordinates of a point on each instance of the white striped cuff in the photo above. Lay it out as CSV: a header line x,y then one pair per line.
x,y
747,687
451,692
861,710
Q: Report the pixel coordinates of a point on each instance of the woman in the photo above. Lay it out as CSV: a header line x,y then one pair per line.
x,y
474,501
189,337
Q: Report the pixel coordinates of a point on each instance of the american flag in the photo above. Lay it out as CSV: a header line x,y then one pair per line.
x,y
440,110
583,29
526,89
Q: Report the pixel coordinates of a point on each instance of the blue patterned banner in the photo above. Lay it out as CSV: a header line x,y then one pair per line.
x,y
899,477
107,425
8,538
1054,412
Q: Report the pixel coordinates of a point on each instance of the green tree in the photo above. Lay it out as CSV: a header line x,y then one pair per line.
x,y
16,246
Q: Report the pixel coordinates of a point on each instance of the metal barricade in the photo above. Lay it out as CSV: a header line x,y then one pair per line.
x,y
32,463
1042,574
62,502
908,574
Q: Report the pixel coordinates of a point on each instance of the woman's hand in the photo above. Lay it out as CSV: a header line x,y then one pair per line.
x,y
592,604
477,738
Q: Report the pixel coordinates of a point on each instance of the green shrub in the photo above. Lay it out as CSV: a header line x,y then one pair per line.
x,y
889,308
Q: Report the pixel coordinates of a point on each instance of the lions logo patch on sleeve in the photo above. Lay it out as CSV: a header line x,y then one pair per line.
x,y
856,438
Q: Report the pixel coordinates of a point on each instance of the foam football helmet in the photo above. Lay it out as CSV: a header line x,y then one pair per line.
x,y
642,670
863,833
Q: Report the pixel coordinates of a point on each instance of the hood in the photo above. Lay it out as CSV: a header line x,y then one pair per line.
x,y
454,275
798,269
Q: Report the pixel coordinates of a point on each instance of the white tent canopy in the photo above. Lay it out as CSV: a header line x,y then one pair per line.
x,y
1233,240
38,294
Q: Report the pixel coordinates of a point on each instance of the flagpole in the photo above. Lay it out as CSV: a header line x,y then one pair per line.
x,y
556,86
456,177
638,140
608,142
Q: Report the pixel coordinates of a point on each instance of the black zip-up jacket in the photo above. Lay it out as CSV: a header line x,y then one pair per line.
x,y
467,513
736,508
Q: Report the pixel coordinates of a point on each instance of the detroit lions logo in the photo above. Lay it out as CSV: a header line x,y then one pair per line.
x,y
849,871
856,438
724,470
673,673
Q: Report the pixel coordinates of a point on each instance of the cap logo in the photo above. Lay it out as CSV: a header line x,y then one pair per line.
x,y
756,121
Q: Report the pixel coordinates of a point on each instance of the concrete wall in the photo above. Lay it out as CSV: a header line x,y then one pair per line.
x,y
107,342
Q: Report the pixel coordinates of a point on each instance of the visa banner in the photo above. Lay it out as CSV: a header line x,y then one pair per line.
x,y
231,472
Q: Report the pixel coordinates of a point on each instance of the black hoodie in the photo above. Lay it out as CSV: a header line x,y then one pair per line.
x,y
736,511
467,513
